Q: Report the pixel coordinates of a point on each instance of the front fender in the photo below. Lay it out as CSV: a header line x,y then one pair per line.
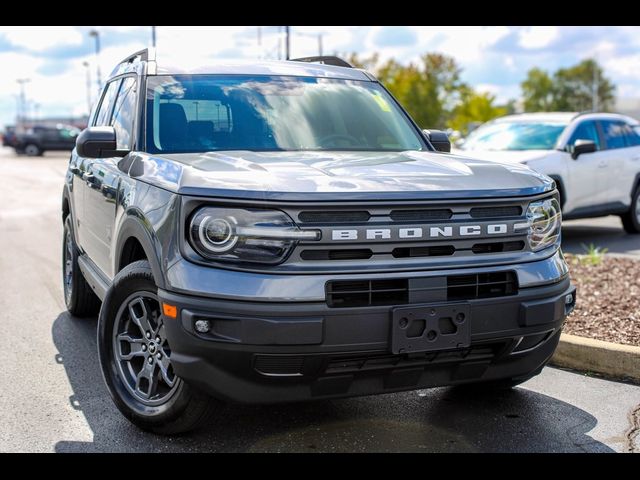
x,y
134,225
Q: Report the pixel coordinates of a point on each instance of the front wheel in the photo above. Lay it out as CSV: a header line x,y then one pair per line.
x,y
631,219
135,357
32,150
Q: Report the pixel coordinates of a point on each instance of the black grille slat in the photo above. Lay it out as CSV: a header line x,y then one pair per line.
x,y
420,215
436,251
496,212
334,217
347,254
497,247
368,293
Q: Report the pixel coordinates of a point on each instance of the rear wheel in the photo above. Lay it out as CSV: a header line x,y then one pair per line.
x,y
32,150
78,296
631,219
135,357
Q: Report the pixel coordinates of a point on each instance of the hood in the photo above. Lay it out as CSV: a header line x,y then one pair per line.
x,y
504,156
335,175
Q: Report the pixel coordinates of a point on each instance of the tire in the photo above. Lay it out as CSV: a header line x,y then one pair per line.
x,y
32,150
631,219
135,358
78,295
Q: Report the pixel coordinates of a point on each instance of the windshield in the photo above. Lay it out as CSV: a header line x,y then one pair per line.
x,y
515,136
199,113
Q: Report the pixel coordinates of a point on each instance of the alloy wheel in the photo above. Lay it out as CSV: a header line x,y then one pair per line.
x,y
141,351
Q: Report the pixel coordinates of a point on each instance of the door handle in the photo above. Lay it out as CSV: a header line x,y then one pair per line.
x,y
603,164
88,177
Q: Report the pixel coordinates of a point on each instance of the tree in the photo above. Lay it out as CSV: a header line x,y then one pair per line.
x,y
574,88
428,90
570,89
537,91
474,107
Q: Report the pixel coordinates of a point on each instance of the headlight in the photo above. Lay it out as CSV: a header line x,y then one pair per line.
x,y
544,219
245,235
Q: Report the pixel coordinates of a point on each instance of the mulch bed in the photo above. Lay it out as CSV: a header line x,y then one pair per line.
x,y
608,306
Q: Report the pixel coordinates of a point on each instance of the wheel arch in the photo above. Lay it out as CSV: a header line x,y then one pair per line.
x,y
561,188
134,239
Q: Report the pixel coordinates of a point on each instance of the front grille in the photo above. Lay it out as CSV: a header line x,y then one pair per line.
x,y
366,293
495,212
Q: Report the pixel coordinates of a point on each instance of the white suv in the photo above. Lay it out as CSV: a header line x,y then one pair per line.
x,y
593,157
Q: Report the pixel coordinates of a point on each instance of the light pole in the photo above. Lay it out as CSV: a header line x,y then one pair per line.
x,y
89,101
23,98
96,35
287,44
153,37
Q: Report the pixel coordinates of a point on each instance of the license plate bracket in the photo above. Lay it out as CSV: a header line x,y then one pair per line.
x,y
432,327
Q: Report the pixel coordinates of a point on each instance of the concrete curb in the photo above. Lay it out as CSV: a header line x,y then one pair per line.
x,y
606,358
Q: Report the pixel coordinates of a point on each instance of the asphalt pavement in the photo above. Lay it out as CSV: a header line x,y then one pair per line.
x,y
52,396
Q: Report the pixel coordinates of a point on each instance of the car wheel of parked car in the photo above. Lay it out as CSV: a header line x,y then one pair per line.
x,y
78,295
32,150
135,357
631,219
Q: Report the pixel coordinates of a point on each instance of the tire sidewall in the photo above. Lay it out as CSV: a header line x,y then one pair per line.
x,y
37,150
76,275
133,409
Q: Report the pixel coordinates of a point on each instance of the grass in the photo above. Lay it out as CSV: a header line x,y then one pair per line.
x,y
593,255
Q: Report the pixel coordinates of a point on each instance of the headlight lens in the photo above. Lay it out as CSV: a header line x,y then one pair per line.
x,y
544,219
245,235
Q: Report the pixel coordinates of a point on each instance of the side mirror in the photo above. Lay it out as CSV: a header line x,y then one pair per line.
x,y
98,142
583,146
439,140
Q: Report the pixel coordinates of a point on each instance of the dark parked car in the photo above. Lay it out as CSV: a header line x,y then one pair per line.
x,y
41,138
283,231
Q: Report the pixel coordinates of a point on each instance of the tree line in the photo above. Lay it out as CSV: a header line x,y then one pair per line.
x,y
434,95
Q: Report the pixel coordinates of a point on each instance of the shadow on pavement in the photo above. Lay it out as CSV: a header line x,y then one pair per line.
x,y
436,420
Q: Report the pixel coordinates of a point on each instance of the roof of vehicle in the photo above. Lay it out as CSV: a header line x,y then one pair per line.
x,y
306,68
563,117
261,67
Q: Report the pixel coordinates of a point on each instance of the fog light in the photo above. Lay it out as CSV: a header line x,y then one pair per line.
x,y
203,326
568,300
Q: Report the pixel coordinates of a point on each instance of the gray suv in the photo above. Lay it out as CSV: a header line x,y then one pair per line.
x,y
283,231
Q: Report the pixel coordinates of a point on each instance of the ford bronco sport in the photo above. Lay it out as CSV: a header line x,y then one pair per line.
x,y
283,231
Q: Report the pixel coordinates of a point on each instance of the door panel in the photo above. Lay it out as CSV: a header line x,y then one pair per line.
x,y
102,182
588,175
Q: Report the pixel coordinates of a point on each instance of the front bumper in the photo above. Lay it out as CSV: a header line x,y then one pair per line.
x,y
268,352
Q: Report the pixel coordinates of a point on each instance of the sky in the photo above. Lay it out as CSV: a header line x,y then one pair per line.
x,y
493,58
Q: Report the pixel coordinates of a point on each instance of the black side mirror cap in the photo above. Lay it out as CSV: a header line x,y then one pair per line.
x,y
583,146
98,142
439,140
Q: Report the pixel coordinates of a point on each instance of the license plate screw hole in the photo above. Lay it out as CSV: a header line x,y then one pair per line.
x,y
431,335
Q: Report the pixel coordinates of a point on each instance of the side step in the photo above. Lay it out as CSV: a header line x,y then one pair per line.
x,y
96,280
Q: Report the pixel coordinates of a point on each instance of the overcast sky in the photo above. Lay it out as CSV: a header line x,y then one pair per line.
x,y
494,59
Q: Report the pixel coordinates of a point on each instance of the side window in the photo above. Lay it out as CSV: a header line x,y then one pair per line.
x,y
586,131
124,113
632,135
104,113
614,134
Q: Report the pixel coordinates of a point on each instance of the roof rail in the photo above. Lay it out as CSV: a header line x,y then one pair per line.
x,y
325,59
